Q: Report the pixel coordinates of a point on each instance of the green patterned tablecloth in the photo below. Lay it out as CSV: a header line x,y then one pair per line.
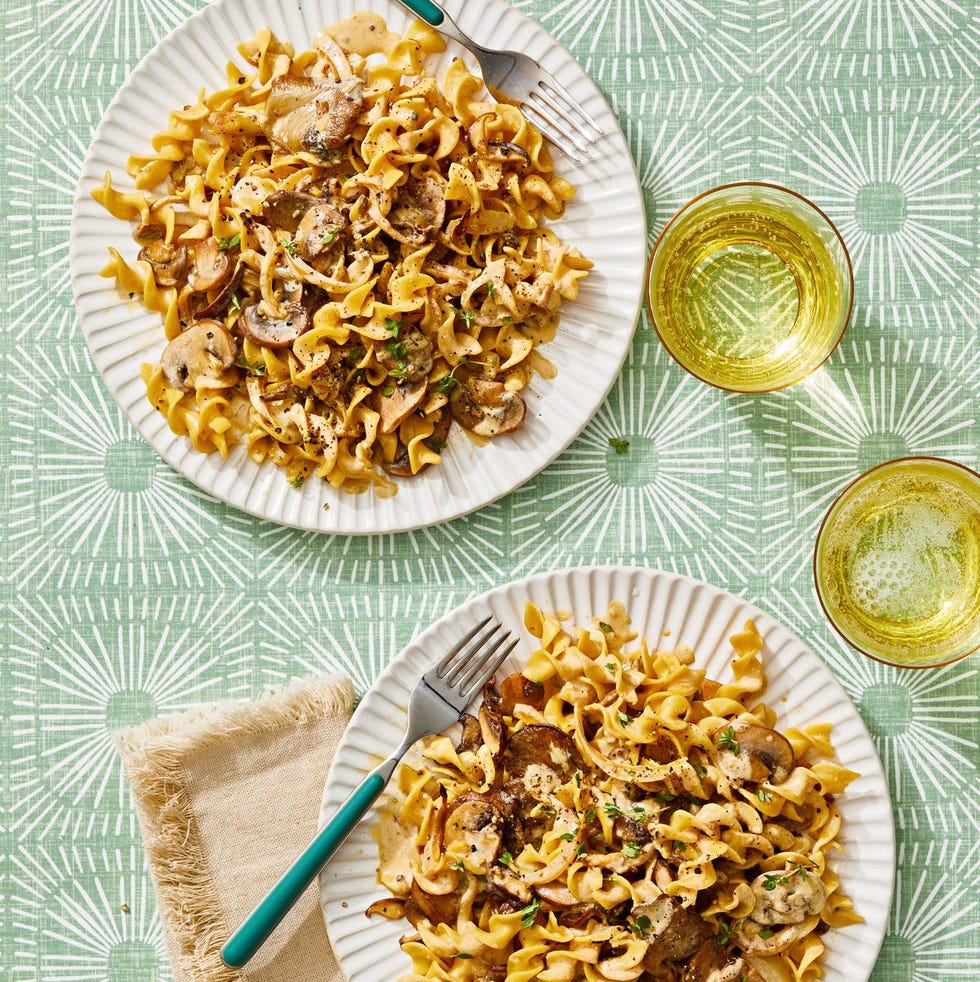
x,y
127,593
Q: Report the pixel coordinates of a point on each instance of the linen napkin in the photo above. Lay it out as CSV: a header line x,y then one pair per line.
x,y
227,797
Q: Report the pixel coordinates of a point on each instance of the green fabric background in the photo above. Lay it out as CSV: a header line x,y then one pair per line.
x,y
127,593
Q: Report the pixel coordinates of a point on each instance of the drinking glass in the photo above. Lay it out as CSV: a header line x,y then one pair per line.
x,y
750,287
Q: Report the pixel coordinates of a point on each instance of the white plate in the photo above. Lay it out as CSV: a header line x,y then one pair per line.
x,y
800,688
606,219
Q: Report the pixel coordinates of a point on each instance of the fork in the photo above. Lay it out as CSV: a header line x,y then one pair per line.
x,y
542,98
437,700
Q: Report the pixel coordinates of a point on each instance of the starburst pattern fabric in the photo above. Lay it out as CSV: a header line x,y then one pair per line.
x,y
127,593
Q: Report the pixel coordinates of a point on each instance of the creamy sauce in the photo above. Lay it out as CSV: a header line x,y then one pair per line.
x,y
363,33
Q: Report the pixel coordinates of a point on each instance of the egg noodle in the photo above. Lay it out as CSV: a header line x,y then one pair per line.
x,y
347,256
615,815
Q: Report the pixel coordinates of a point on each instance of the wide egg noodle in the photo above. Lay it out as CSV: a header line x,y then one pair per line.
x,y
483,286
645,724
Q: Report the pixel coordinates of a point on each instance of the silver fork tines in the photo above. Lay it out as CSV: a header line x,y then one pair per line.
x,y
459,670
548,105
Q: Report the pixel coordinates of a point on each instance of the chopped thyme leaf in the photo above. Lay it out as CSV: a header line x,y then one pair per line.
x,y
605,628
394,325
252,368
623,718
389,390
292,247
766,933
631,849
234,304
530,912
640,812
329,236
297,481
728,742
612,810
505,857
699,770
611,667
590,816
457,864
724,934
678,846
491,290
618,444
763,795
568,836
581,850
447,383
224,244
463,954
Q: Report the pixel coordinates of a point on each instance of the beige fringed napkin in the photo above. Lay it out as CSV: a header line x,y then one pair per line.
x,y
227,797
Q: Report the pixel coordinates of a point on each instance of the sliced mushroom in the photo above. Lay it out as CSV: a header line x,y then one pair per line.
x,y
506,882
285,209
787,897
202,348
409,355
517,690
712,963
210,266
542,757
320,233
399,404
437,908
750,752
272,332
486,407
476,821
470,738
147,232
168,262
508,152
672,931
223,296
420,208
315,115
388,907
757,939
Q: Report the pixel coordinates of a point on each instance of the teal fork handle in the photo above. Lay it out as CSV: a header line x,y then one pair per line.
x,y
431,13
257,927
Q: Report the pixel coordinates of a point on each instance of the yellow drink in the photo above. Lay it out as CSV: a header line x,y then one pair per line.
x,y
897,562
750,287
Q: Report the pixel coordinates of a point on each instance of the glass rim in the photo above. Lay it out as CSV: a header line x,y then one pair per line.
x,y
831,508
771,187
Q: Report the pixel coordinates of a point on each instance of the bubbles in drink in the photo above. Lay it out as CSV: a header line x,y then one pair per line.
x,y
898,561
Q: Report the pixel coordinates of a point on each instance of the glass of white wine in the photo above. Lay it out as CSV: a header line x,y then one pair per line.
x,y
750,287
897,562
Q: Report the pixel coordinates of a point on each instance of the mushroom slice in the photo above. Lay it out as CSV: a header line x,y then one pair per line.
x,y
471,737
272,332
210,267
409,354
750,752
320,231
223,296
389,907
168,262
672,931
285,209
400,404
203,347
757,939
712,963
507,152
787,897
486,407
420,208
476,821
517,690
315,115
542,757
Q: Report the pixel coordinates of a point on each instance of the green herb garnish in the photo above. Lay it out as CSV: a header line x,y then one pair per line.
x,y
330,235
618,444
224,244
530,912
728,742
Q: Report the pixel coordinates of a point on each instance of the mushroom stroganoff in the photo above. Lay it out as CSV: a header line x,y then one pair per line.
x,y
348,256
613,814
